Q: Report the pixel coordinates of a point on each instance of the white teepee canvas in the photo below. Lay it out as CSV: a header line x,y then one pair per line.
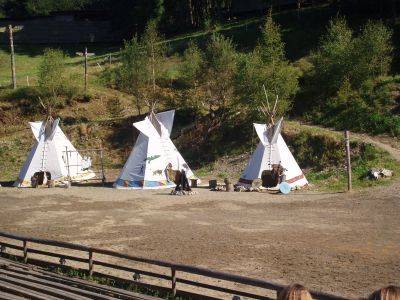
x,y
49,154
146,167
272,150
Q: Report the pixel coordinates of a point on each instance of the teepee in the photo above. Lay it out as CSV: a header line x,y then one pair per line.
x,y
54,156
153,155
272,151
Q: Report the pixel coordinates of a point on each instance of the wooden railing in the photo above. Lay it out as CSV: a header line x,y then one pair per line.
x,y
174,268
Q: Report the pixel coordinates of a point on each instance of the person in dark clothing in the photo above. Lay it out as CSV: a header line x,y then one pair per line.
x,y
183,183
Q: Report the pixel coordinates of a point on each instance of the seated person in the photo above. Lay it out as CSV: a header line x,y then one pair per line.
x,y
294,292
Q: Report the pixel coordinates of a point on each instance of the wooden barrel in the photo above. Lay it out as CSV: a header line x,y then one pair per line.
x,y
50,183
193,183
212,184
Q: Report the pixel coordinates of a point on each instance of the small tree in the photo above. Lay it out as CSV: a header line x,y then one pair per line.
x,y
267,66
191,65
333,61
372,52
132,76
190,71
141,64
218,73
51,72
155,52
55,86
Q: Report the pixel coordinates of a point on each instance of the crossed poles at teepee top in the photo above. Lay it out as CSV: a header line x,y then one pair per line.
x,y
266,109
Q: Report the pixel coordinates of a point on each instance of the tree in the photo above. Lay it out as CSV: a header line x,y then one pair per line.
x,y
209,76
132,76
341,56
333,61
155,51
54,84
190,70
219,70
141,64
372,52
267,66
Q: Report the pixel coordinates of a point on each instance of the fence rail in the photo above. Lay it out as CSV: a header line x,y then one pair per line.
x,y
174,268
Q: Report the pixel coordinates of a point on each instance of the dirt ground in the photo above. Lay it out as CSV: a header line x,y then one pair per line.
x,y
348,244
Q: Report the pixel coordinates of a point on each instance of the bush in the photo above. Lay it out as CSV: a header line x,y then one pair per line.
x,y
55,87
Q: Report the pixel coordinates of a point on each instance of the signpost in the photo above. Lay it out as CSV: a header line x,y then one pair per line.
x,y
13,75
86,55
348,160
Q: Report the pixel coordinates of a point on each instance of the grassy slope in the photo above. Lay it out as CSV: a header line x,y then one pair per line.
x,y
91,125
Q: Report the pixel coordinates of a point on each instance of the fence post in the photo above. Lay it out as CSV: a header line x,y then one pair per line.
x,y
90,262
348,160
86,70
67,156
25,251
103,177
173,282
14,79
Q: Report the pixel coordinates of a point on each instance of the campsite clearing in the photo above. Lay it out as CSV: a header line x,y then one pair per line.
x,y
345,245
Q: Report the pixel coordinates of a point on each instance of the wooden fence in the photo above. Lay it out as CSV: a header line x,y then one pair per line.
x,y
91,262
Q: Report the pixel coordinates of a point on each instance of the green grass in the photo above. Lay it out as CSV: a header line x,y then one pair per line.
x,y
336,179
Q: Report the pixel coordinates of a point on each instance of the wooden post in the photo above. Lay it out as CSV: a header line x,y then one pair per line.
x,y
348,160
103,177
27,81
109,59
25,245
90,263
13,75
86,70
67,156
173,282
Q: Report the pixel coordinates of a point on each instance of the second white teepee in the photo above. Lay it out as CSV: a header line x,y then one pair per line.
x,y
272,150
152,155
53,154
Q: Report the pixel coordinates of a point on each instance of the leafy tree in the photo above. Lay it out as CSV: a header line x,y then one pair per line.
x,y
218,73
372,52
132,76
141,66
333,61
51,70
343,57
155,51
267,66
209,76
190,71
52,81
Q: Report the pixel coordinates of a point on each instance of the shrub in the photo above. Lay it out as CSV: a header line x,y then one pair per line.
x,y
55,86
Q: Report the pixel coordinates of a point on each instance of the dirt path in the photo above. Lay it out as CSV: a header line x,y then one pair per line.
x,y
386,143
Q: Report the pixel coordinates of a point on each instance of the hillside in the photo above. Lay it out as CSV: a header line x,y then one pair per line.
x,y
103,116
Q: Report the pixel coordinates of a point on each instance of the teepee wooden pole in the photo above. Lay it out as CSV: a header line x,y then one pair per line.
x,y
348,160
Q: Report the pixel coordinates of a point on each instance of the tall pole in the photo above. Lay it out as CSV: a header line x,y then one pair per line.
x,y
14,80
348,161
86,70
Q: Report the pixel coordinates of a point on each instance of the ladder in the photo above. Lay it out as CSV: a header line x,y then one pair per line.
x,y
44,157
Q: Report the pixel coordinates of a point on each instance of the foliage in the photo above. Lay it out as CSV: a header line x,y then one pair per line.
x,y
267,66
208,76
344,81
218,71
132,75
140,68
53,85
